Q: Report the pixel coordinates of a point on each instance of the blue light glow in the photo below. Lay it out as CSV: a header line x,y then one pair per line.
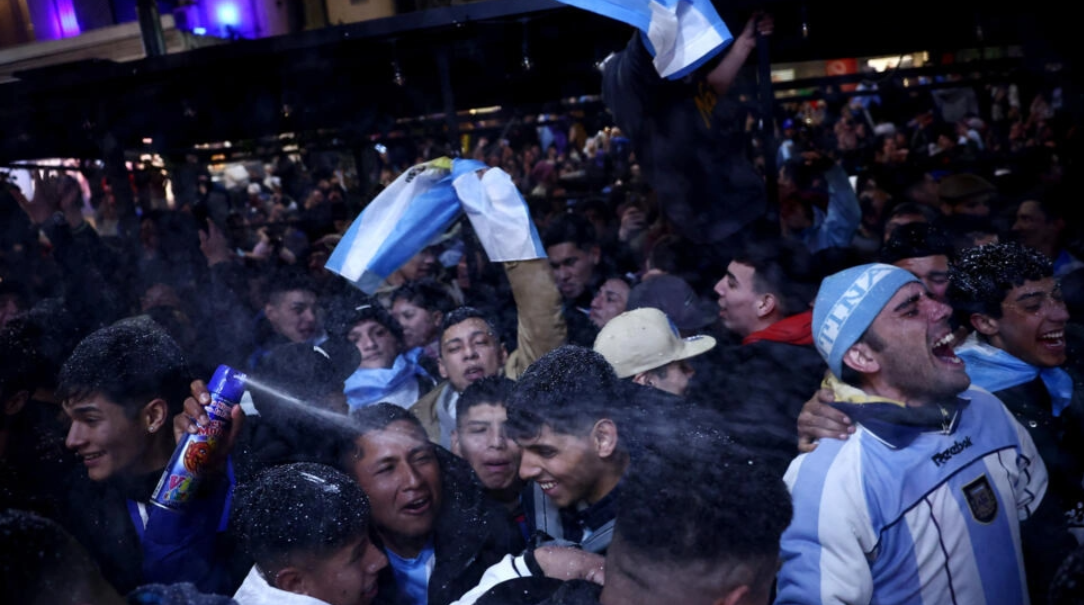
x,y
199,31
228,14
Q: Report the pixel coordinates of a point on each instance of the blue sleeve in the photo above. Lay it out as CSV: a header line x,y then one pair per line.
x,y
823,551
183,546
844,213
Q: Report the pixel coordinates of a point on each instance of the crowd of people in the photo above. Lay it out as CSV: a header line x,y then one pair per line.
x,y
869,389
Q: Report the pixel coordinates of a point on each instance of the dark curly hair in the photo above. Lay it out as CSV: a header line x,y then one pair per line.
x,y
980,279
130,362
301,509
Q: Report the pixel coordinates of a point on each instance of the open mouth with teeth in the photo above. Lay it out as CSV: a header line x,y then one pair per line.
x,y
942,350
547,485
473,374
89,458
1054,339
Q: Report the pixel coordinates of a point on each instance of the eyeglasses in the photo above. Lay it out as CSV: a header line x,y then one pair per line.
x,y
1037,303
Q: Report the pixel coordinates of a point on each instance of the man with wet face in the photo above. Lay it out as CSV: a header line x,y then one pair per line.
x,y
1008,295
685,532
306,527
480,438
928,500
562,415
121,388
438,530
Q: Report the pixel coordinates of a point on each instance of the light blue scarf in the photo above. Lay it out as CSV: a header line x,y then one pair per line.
x,y
367,386
994,369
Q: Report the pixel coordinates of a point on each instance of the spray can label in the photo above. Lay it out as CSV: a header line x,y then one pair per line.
x,y
181,479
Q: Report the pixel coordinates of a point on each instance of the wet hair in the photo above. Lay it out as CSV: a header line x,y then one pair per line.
x,y
570,228
365,420
426,293
916,240
493,390
981,278
783,268
287,279
353,307
461,315
298,510
130,362
712,520
568,389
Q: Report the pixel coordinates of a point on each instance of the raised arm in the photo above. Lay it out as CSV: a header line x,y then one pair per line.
x,y
726,71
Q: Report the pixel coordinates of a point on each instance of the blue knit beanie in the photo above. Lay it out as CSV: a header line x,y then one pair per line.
x,y
847,304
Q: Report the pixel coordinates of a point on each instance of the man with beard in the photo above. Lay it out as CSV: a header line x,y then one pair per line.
x,y
935,496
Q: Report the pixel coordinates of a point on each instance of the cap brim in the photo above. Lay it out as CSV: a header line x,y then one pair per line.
x,y
695,345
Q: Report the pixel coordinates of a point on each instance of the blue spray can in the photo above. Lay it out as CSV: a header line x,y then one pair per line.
x,y
181,479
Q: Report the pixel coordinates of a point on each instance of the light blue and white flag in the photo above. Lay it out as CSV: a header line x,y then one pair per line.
x,y
420,205
499,215
400,222
681,34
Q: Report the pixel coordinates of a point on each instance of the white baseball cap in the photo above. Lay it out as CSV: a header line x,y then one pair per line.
x,y
644,339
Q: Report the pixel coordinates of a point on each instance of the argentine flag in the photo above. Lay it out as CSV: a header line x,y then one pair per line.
x,y
420,205
680,34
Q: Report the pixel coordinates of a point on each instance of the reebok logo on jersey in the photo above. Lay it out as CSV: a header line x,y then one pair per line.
x,y
944,456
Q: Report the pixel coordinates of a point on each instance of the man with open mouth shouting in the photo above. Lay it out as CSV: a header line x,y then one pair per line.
x,y
939,494
429,514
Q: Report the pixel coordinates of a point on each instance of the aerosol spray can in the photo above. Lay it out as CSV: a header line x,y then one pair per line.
x,y
181,479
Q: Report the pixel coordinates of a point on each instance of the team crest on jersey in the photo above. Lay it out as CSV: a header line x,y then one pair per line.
x,y
981,499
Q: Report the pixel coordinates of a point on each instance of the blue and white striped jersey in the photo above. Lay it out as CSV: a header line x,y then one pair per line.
x,y
933,522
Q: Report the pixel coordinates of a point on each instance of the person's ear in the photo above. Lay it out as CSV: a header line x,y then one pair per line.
x,y
437,317
595,254
985,325
14,404
766,305
155,415
734,597
440,366
455,443
291,579
860,358
643,378
604,437
504,354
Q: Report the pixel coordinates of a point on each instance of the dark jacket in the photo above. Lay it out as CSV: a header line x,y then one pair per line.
x,y
471,533
189,547
1059,440
690,144
764,387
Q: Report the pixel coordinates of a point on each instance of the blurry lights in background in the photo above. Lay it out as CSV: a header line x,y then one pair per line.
x,y
199,31
228,14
